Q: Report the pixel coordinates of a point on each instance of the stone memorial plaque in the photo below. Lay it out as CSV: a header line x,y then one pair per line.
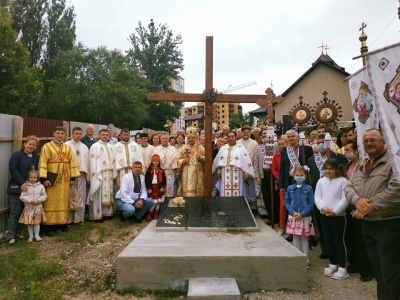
x,y
208,214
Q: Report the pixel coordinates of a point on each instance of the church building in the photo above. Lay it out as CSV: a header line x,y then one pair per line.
x,y
324,75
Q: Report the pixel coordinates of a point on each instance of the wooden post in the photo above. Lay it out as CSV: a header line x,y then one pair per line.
x,y
208,118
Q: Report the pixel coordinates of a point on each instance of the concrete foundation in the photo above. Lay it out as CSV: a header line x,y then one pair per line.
x,y
166,260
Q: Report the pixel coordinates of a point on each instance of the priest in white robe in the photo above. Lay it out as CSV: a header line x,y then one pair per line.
x,y
147,151
78,190
126,152
168,159
101,196
252,188
233,167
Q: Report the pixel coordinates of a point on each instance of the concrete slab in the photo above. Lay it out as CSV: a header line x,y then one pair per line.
x,y
166,260
213,289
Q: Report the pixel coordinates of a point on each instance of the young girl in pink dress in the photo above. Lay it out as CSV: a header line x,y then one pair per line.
x,y
299,201
33,213
155,183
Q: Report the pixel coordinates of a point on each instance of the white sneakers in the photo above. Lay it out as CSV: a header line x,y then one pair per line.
x,y
330,270
37,239
335,272
281,231
341,274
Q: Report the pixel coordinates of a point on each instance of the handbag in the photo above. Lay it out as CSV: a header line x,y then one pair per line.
x,y
13,188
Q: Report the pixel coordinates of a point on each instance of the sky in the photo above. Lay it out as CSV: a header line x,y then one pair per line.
x,y
266,41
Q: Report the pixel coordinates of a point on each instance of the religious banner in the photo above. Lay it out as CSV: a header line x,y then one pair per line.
x,y
381,80
383,67
362,103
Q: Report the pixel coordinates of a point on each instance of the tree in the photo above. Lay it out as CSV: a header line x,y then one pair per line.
x,y
96,86
29,23
20,88
238,120
61,29
45,27
156,55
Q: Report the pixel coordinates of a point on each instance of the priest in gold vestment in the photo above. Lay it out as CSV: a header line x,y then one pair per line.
x,y
56,157
191,159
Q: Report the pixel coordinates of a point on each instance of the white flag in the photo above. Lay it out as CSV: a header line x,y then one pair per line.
x,y
363,105
383,68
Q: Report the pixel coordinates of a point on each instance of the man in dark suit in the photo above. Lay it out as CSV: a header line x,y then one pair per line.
x,y
89,138
291,156
315,163
295,151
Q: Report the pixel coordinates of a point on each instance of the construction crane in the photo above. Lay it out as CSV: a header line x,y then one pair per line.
x,y
237,87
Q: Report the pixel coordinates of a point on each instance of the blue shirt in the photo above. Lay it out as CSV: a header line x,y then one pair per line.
x,y
299,199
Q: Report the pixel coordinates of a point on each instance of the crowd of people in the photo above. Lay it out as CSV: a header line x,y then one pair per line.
x,y
309,186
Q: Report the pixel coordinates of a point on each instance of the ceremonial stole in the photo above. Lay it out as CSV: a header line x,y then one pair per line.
x,y
319,161
268,151
294,161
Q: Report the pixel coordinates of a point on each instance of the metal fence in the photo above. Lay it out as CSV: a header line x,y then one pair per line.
x,y
6,148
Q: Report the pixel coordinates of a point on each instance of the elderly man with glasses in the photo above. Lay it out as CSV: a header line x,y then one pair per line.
x,y
374,191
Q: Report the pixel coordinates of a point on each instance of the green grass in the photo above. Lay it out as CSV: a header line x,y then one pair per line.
x,y
24,276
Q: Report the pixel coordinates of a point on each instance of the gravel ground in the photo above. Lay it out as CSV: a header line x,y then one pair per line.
x,y
90,263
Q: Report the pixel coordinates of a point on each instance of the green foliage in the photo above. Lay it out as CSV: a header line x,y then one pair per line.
x,y
61,29
155,53
45,27
98,81
20,88
238,120
30,24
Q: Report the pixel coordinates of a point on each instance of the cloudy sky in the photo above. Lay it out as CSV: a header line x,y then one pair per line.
x,y
254,40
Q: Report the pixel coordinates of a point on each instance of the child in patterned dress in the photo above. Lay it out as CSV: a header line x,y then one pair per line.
x,y
155,183
299,201
33,213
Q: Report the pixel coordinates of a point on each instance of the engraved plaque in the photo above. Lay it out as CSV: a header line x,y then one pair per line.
x,y
208,214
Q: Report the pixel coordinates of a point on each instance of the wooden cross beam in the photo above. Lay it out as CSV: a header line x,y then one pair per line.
x,y
269,100
208,117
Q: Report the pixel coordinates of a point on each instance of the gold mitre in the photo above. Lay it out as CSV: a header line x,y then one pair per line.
x,y
191,131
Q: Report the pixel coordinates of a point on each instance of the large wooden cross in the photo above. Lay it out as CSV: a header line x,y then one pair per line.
x,y
208,117
269,101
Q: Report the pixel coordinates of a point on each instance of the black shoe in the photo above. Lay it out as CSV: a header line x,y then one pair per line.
x,y
108,218
136,220
99,221
254,211
353,269
64,228
290,238
323,256
366,277
49,233
121,216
